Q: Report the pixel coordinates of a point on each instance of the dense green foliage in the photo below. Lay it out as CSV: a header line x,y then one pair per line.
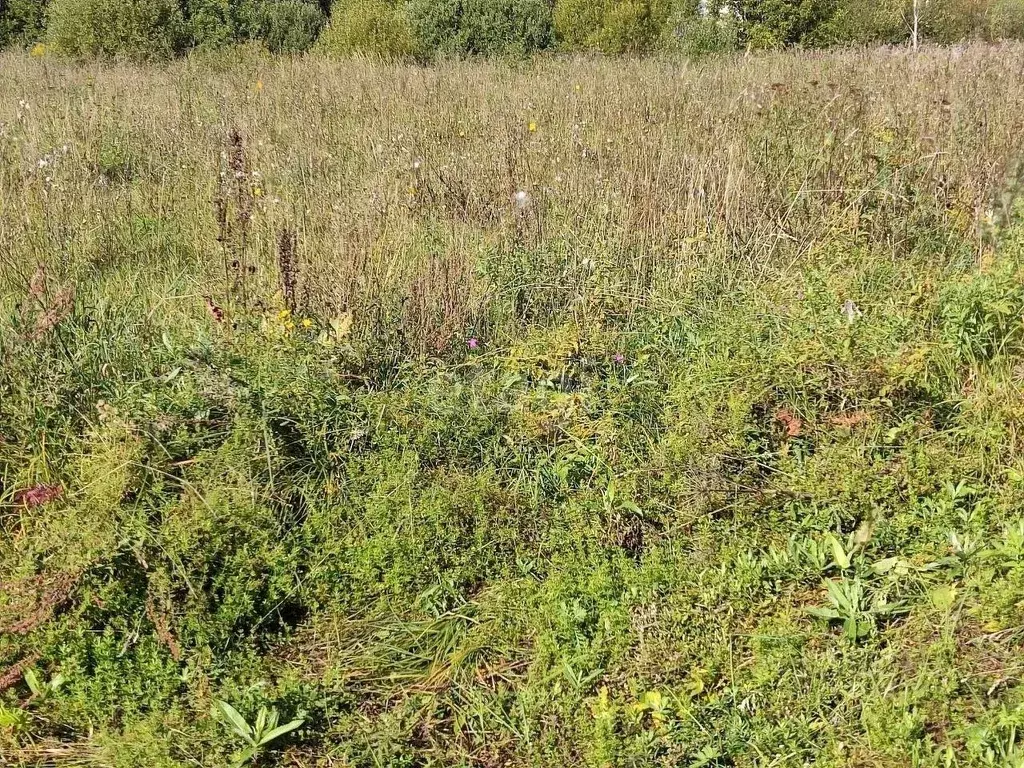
x,y
372,27
428,28
141,29
611,26
22,21
288,26
488,27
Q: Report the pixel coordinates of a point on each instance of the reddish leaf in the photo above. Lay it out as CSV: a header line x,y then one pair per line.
x,y
38,495
790,422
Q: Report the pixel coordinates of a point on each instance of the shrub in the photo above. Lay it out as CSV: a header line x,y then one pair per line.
x,y
139,29
862,22
947,21
1006,20
374,27
489,27
288,26
699,37
611,26
780,23
22,21
216,22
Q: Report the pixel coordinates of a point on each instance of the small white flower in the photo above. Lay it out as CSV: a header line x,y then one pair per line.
x,y
522,199
416,164
43,162
851,311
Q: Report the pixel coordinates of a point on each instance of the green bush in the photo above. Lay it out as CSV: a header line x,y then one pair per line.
x,y
288,26
699,37
949,21
770,24
611,26
22,21
218,22
138,29
488,27
372,27
861,22
1006,20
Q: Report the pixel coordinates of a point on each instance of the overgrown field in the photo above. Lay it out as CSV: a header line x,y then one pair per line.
x,y
577,412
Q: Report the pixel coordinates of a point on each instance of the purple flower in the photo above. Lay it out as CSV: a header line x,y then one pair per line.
x,y
473,343
619,358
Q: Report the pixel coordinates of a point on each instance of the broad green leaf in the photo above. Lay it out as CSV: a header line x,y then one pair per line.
x,y
884,566
280,731
838,553
32,678
236,721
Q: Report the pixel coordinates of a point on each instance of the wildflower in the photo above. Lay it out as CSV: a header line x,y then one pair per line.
x,y
473,343
791,423
39,49
851,311
259,86
215,312
532,127
619,358
257,192
289,326
307,323
284,314
61,307
38,495
521,198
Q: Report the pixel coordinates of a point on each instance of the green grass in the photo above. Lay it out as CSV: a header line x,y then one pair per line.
x,y
718,510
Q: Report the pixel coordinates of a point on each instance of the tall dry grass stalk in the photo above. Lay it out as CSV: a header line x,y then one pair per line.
x,y
405,183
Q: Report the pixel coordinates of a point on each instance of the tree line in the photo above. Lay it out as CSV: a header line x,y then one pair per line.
x,y
425,29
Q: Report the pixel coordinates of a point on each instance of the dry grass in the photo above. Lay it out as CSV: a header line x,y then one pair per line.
x,y
400,181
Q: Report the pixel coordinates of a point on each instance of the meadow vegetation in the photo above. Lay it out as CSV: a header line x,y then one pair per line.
x,y
598,412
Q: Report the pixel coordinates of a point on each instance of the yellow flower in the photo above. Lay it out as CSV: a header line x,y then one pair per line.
x,y
578,88
533,127
289,326
284,314
307,323
38,50
258,192
259,86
